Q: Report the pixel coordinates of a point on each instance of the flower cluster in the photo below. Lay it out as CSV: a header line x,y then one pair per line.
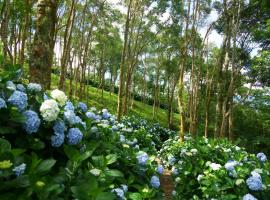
x,y
49,110
155,183
18,99
34,87
32,122
74,136
262,157
82,107
142,158
2,103
254,182
59,96
19,170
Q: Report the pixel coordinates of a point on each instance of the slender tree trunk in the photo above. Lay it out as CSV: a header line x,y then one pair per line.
x,y
67,43
122,66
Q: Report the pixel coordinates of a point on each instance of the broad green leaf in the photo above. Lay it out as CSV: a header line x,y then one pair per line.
x,y
95,172
135,196
114,173
111,158
46,165
105,196
72,153
4,146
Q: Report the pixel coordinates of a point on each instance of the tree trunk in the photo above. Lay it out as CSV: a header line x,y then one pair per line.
x,y
43,45
122,66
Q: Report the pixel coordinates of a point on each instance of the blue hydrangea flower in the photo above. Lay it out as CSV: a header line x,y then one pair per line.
x,y
82,106
125,187
137,146
119,193
175,171
32,122
249,197
160,169
45,97
171,159
20,87
19,100
94,129
90,115
233,173
114,128
155,183
74,136
57,140
69,106
122,138
2,103
262,157
59,127
70,116
34,87
229,166
142,158
105,114
19,170
255,182
10,85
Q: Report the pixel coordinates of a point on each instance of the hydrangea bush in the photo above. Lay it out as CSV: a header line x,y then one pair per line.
x,y
215,169
54,148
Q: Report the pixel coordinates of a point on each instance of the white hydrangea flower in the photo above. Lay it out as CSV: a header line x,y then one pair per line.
x,y
194,151
200,176
215,166
59,96
49,110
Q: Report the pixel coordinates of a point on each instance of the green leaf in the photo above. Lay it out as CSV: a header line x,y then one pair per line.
x,y
111,158
4,146
105,196
46,165
135,196
72,153
98,161
239,181
114,173
95,172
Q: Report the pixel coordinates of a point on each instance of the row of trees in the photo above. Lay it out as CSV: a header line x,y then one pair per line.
x,y
147,48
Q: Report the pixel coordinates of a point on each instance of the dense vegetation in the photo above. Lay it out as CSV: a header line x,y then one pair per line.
x,y
134,99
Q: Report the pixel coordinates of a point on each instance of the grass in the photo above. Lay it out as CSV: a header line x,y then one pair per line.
x,y
110,102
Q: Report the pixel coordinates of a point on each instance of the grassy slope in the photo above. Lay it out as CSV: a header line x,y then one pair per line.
x,y
110,102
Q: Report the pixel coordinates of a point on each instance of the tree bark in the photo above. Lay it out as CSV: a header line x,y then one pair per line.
x,y
43,45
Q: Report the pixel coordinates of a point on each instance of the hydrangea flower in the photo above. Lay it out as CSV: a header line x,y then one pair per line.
x,y
255,182
19,170
82,106
70,117
32,122
20,87
155,183
262,157
160,169
122,138
49,110
142,157
74,136
2,103
215,166
175,171
174,193
114,128
57,139
59,127
249,197
125,187
34,87
119,193
19,100
171,159
90,115
59,96
69,106
94,129
10,85
105,114
199,178
229,166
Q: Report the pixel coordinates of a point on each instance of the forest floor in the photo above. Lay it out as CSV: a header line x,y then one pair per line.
x,y
110,102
